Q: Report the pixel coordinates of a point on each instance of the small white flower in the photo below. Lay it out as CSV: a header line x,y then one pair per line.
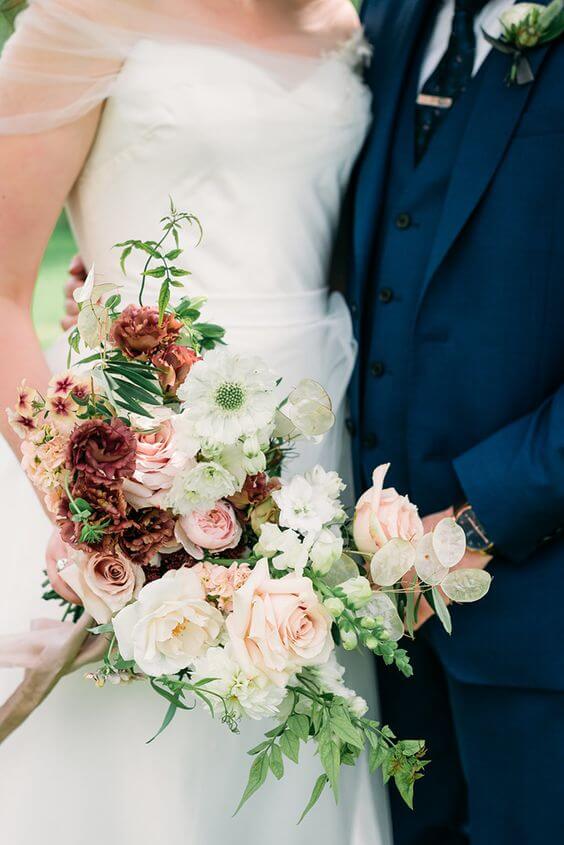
x,y
240,463
253,696
357,590
325,551
309,502
229,396
294,551
200,487
329,676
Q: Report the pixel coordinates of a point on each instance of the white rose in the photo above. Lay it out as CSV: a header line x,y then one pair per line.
x,y
169,625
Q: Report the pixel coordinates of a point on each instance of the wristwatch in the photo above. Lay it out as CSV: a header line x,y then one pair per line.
x,y
477,539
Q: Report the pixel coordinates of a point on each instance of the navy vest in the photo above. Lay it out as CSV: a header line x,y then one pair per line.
x,y
410,216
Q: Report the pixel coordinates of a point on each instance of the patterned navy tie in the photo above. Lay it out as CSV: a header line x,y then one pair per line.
x,y
452,74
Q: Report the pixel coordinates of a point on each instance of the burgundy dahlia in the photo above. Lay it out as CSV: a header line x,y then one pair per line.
x,y
171,560
103,453
150,530
138,333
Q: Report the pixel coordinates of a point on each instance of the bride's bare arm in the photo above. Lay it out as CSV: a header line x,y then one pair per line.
x,y
37,173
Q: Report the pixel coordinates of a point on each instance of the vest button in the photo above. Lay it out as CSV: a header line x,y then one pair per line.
x,y
354,308
385,295
403,220
377,368
369,441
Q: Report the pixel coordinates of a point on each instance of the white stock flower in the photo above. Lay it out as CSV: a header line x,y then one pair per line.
x,y
170,624
229,396
294,551
253,695
309,502
200,487
325,551
329,676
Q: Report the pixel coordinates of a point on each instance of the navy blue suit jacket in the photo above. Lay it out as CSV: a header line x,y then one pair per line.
x,y
485,398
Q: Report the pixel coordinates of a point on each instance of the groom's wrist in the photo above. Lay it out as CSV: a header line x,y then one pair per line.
x,y
477,538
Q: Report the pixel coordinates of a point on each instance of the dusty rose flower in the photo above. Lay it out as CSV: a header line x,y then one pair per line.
x,y
150,530
382,515
216,530
174,363
267,511
278,625
221,582
104,452
156,464
105,583
138,334
255,490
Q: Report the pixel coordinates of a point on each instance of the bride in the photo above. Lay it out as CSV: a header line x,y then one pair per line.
x,y
249,114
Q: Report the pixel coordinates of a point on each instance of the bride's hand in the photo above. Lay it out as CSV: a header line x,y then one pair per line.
x,y
77,276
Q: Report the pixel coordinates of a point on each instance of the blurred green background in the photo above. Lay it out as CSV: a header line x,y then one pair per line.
x,y
49,297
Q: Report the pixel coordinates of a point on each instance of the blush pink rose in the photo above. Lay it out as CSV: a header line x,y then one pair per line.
x,y
157,462
278,625
216,530
382,515
105,582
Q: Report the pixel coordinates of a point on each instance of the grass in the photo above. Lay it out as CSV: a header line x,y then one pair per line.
x,y
48,301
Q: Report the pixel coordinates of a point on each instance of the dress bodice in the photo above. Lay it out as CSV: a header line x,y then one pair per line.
x,y
261,159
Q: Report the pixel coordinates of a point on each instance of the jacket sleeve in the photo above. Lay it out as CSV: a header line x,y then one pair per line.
x,y
514,479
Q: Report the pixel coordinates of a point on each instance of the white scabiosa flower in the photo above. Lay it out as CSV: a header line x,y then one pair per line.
x,y
200,487
228,396
253,696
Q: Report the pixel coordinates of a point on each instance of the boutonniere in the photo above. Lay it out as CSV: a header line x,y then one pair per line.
x,y
525,26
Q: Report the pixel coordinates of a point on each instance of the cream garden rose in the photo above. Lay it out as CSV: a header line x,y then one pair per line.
x,y
170,624
382,515
278,625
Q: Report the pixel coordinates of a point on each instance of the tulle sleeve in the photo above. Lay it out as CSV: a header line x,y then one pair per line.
x,y
59,64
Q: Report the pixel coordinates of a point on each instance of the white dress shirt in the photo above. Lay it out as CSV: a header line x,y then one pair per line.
x,y
488,19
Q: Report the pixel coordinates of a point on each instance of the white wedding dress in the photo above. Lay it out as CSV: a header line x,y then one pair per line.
x,y
264,165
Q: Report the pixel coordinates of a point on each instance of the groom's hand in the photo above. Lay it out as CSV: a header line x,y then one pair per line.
x,y
471,560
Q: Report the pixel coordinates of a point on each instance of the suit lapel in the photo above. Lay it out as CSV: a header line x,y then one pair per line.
x,y
393,32
495,115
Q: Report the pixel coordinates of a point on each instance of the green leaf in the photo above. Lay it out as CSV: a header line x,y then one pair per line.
x,y
341,725
124,256
257,777
169,716
318,788
147,382
290,746
164,298
258,748
177,272
106,628
376,757
276,762
299,725
127,390
330,757
441,610
156,273
174,253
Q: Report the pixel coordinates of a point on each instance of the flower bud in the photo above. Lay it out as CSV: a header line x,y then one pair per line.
x,y
326,551
372,642
349,640
335,606
357,590
368,622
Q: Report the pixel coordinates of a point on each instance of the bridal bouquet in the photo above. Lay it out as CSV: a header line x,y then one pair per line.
x,y
213,579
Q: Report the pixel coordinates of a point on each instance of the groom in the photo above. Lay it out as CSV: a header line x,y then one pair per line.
x,y
457,296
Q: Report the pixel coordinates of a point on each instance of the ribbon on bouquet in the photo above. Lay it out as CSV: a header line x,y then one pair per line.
x,y
48,651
